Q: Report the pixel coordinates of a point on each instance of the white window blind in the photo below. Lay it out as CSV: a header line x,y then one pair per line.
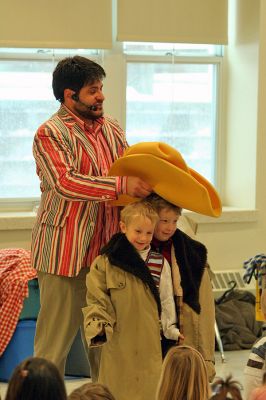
x,y
56,24
173,21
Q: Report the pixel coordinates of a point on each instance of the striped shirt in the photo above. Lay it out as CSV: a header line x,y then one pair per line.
x,y
74,218
256,366
161,273
155,262
108,216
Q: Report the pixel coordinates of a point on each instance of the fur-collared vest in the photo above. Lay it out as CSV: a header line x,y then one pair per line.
x,y
191,257
121,253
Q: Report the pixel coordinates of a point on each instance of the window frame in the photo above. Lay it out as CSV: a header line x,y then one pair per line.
x,y
215,60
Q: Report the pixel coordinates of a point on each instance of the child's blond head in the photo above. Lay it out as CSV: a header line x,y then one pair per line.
x,y
138,209
184,375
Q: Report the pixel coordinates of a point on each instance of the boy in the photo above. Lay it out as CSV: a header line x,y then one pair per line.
x,y
191,281
124,307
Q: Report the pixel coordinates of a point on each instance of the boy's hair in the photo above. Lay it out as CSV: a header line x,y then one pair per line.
x,y
184,375
140,208
36,378
91,391
74,73
229,387
159,203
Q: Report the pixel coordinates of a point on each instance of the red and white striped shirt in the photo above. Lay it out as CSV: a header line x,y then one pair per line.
x,y
74,218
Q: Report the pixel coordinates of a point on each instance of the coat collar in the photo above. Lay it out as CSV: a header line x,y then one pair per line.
x,y
191,257
123,255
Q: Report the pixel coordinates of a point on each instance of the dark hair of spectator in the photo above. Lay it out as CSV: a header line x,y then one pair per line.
x,y
226,389
36,379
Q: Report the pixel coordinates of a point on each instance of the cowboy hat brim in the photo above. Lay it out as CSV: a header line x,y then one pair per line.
x,y
184,188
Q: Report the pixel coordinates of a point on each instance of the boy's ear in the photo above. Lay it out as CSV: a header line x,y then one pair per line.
x,y
122,226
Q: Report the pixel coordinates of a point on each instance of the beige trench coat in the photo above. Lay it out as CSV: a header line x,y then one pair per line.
x,y
131,358
198,329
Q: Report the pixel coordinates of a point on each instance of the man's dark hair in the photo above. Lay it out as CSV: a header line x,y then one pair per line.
x,y
74,73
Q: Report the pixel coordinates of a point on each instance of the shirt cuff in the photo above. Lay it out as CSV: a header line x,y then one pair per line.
x,y
121,184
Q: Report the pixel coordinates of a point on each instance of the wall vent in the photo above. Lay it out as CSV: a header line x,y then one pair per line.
x,y
221,279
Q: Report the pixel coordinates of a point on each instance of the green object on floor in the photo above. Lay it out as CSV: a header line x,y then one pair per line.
x,y
31,305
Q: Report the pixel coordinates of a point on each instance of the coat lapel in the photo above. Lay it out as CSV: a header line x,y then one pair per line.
x,y
123,255
191,257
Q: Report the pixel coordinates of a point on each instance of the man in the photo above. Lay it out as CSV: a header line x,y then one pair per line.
x,y
74,150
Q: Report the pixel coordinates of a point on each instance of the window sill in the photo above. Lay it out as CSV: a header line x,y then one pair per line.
x,y
24,220
229,215
13,221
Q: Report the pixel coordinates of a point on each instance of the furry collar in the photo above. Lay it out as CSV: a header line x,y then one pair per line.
x,y
191,257
123,255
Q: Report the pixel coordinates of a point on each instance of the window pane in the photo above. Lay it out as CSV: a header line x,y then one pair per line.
x,y
26,100
177,49
175,104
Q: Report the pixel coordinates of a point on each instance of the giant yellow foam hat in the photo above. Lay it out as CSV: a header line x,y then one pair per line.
x,y
164,168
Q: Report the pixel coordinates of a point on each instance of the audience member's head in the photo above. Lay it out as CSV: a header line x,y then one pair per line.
x,y
259,393
36,378
184,375
91,391
226,389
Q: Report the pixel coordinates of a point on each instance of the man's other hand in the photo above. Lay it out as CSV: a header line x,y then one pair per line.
x,y
136,187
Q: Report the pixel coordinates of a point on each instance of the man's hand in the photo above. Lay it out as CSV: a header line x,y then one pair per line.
x,y
136,187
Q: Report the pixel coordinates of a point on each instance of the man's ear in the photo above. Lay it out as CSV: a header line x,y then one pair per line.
x,y
68,94
122,226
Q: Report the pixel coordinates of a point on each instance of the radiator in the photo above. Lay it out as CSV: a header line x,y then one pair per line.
x,y
221,279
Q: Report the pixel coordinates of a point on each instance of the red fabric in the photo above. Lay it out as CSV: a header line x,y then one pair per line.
x,y
15,272
163,248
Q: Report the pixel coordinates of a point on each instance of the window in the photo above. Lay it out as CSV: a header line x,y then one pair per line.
x,y
170,91
171,97
26,101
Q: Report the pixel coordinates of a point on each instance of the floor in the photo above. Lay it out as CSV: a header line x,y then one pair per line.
x,y
234,364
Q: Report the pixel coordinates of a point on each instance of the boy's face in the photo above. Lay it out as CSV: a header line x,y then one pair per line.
x,y
139,232
166,226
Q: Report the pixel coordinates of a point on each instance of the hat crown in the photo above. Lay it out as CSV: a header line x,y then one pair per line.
x,y
160,150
